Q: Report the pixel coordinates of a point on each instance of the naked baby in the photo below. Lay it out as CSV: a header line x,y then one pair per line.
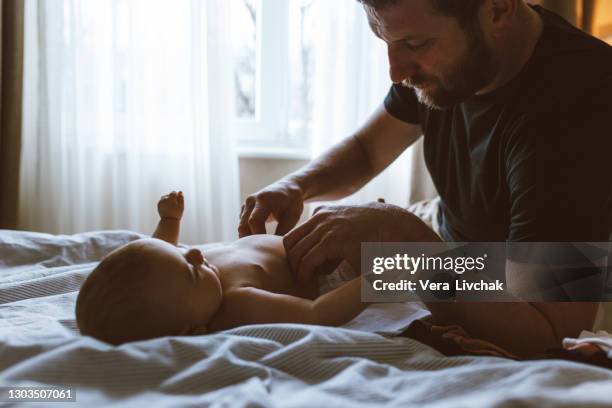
x,y
151,288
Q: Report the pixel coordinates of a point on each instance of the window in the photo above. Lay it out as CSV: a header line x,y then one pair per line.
x,y
273,70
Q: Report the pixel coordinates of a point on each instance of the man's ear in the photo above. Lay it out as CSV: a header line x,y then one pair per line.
x,y
496,15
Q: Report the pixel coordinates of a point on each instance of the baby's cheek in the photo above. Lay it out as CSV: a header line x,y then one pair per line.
x,y
209,299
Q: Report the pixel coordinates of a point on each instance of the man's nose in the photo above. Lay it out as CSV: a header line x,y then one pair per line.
x,y
401,64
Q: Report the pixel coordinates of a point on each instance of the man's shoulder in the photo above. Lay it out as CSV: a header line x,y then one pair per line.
x,y
568,68
562,41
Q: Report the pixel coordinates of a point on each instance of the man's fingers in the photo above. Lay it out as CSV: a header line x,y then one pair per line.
x,y
303,246
327,267
257,220
243,231
299,232
243,227
318,255
287,221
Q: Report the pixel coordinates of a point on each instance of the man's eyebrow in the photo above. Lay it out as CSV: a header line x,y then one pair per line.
x,y
410,37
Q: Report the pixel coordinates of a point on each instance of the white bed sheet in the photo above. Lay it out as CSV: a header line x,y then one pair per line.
x,y
265,365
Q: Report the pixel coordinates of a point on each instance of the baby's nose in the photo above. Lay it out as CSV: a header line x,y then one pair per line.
x,y
194,256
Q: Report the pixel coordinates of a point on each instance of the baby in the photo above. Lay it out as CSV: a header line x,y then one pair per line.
x,y
151,288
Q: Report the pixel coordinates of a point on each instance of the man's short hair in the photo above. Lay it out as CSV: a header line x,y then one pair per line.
x,y
463,10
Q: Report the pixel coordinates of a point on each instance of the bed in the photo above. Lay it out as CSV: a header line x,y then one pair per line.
x,y
359,365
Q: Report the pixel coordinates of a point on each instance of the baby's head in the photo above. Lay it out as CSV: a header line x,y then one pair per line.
x,y
146,289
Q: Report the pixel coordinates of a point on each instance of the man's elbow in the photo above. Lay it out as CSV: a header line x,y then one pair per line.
x,y
515,327
568,319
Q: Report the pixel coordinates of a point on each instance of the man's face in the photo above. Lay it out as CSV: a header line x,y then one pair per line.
x,y
432,53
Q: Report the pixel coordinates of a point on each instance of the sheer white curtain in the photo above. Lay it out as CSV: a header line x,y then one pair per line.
x,y
125,100
351,81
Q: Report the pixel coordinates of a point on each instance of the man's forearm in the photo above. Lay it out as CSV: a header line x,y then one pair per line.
x,y
356,160
338,173
168,229
520,328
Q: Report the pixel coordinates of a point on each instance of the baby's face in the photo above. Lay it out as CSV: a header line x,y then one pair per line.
x,y
184,276
149,288
146,289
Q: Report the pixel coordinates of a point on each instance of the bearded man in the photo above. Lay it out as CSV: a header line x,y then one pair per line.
x,y
514,106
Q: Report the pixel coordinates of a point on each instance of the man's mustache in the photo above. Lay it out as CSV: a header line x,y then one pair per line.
x,y
416,81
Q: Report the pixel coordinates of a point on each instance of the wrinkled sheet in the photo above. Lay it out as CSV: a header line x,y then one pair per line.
x,y
264,365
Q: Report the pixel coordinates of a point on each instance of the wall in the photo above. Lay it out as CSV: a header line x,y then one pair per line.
x,y
256,173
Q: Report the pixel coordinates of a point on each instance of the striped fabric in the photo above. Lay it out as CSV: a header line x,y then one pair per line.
x,y
264,365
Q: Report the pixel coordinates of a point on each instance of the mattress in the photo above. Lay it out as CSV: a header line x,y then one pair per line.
x,y
359,365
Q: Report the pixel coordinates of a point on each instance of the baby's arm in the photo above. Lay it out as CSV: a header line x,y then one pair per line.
x,y
249,305
170,208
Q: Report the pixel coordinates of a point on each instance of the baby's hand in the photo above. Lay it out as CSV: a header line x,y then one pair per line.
x,y
171,205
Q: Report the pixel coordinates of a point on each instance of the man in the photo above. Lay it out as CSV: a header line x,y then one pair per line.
x,y
514,106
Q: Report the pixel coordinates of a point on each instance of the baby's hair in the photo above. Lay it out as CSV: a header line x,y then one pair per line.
x,y
104,294
112,304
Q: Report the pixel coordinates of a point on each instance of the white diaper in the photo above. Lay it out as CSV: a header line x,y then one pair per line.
x,y
601,339
603,319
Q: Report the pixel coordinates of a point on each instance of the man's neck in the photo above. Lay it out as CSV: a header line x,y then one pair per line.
x,y
517,50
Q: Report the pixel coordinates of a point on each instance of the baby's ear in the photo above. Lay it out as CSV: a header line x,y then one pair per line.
x,y
194,256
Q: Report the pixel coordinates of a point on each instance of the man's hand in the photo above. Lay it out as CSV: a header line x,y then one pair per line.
x,y
171,205
336,232
283,200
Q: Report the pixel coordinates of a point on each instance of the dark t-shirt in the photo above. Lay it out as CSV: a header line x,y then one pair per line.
x,y
532,160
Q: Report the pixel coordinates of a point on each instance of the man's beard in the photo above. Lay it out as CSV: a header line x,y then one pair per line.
x,y
473,71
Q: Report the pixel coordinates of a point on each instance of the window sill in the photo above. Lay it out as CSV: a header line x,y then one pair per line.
x,y
278,153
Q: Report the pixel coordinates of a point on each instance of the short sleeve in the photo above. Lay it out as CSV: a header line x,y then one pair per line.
x,y
402,103
560,179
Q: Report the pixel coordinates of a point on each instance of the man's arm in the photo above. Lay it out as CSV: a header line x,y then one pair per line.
x,y
170,208
524,329
249,305
549,203
529,327
352,163
342,170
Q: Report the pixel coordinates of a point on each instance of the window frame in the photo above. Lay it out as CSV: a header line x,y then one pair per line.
x,y
267,134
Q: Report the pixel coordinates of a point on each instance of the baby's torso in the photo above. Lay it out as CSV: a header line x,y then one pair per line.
x,y
258,261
